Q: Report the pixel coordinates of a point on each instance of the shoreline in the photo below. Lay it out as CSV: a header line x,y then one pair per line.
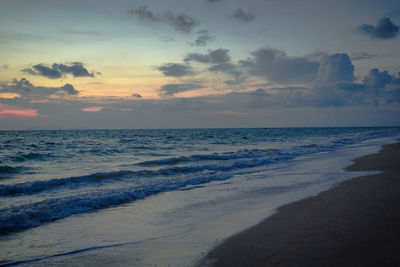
x,y
221,212
356,223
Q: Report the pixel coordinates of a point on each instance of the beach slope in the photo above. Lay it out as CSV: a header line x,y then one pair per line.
x,y
356,223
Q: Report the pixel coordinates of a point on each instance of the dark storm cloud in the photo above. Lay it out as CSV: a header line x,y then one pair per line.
x,y
276,66
27,90
181,22
56,71
176,70
203,37
171,89
4,67
244,16
385,29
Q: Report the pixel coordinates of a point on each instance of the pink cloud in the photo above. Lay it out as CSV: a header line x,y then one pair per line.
x,y
92,109
19,112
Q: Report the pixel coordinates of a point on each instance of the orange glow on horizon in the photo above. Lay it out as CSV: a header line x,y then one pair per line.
x,y
9,95
19,112
93,109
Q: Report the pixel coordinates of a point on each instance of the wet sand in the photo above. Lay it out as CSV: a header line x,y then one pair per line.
x,y
356,223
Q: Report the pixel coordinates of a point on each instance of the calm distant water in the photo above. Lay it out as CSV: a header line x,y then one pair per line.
x,y
49,175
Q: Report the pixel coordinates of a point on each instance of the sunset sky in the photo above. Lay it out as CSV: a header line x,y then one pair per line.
x,y
67,64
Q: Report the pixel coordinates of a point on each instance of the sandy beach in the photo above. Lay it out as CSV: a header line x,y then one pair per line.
x,y
356,223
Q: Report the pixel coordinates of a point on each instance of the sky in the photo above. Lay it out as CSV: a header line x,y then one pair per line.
x,y
99,64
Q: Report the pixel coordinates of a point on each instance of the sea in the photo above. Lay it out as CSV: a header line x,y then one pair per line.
x,y
158,197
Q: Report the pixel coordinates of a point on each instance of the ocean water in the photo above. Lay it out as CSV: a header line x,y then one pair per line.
x,y
114,187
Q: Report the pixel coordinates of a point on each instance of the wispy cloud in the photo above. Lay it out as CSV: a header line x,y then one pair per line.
x,y
144,13
167,39
362,56
243,16
19,36
203,37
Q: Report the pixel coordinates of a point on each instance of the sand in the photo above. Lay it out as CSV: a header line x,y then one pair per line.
x,y
356,223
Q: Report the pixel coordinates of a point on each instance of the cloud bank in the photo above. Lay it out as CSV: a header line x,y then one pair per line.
x,y
317,81
313,80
